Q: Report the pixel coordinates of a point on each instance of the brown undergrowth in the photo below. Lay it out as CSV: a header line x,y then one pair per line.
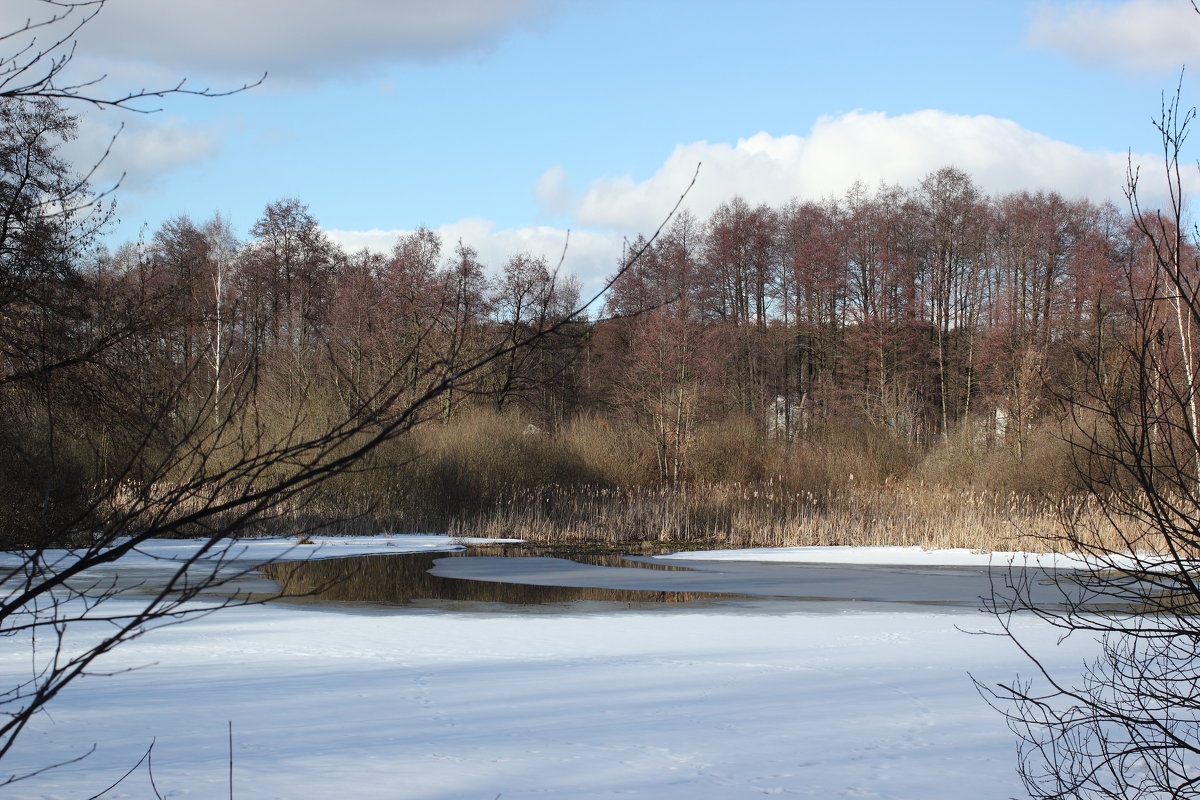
x,y
496,476
765,515
717,515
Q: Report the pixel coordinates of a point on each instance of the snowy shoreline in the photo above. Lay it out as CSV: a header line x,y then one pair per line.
x,y
439,705
155,551
887,556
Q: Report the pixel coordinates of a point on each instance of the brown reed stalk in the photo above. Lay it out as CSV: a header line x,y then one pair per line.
x,y
765,515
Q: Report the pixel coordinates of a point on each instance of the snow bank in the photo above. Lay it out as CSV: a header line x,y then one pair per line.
x,y
275,548
159,552
889,556
663,704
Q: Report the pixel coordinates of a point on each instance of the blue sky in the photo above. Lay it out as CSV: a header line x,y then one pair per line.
x,y
507,122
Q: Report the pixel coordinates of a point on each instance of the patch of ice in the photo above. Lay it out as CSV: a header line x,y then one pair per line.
x,y
890,556
154,552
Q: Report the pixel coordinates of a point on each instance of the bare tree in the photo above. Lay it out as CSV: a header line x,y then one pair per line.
x,y
200,458
40,53
1129,726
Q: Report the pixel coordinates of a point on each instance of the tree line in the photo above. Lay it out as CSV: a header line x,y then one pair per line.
x,y
918,314
921,312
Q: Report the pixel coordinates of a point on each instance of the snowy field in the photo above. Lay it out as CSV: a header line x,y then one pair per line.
x,y
674,702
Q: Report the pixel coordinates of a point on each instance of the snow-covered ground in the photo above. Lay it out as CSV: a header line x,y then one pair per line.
x,y
157,553
892,556
680,702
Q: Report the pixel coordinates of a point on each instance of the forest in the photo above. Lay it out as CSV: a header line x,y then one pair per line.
x,y
880,363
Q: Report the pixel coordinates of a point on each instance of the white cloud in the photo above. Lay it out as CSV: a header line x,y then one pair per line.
x,y
551,191
1143,34
143,152
288,38
870,147
589,256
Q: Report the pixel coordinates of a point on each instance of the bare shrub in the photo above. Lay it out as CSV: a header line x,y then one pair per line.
x,y
729,451
614,452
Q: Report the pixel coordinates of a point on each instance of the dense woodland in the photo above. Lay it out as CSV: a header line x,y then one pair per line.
x,y
872,334
916,312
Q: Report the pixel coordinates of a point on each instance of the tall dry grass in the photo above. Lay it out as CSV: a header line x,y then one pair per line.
x,y
840,485
493,475
767,515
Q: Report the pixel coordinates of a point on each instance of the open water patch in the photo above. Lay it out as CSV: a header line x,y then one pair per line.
x,y
412,579
509,576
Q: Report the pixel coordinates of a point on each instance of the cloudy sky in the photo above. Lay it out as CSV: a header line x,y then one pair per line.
x,y
508,122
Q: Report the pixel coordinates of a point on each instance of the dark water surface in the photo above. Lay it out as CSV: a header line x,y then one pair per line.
x,y
408,579
501,578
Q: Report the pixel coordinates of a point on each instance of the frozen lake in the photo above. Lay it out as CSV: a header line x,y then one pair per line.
x,y
866,693
441,580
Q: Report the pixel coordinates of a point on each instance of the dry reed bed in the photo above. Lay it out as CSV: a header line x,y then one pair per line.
x,y
734,515
728,515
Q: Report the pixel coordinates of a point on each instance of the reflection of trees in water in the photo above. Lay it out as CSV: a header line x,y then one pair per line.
x,y
404,578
